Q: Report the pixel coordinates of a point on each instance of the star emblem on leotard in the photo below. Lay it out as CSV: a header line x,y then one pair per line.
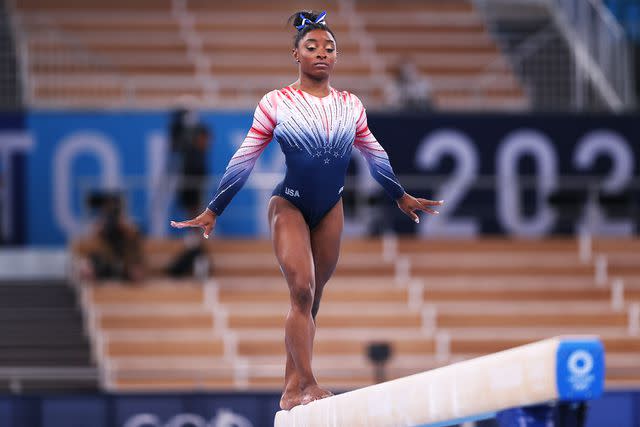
x,y
336,154
327,149
318,153
326,161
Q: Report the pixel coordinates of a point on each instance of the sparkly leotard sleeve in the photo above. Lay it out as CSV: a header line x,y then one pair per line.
x,y
316,135
242,162
376,157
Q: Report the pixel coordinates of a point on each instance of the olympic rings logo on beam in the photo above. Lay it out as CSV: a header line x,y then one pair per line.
x,y
580,366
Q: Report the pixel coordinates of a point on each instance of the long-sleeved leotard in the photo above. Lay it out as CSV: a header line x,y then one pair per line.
x,y
316,136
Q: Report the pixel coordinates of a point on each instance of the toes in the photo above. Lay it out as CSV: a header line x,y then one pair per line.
x,y
288,404
289,401
307,399
323,395
315,395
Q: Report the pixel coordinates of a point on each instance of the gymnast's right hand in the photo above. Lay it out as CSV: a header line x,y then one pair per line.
x,y
206,220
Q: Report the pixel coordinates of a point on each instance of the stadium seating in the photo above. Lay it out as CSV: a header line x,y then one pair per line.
x,y
436,302
227,54
43,345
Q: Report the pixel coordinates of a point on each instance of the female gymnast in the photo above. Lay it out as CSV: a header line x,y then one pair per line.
x,y
316,127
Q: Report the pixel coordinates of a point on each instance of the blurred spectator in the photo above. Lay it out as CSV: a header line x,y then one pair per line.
x,y
190,142
115,244
410,91
194,254
192,184
181,126
194,171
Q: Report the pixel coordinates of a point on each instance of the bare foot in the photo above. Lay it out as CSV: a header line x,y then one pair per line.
x,y
314,392
291,397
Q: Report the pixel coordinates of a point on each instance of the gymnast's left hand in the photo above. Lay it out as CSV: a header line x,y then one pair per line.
x,y
206,220
409,204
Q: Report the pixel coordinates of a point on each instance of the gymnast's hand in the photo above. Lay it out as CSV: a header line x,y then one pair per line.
x,y
206,220
408,204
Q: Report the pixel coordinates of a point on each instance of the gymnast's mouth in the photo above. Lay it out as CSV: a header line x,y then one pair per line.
x,y
321,65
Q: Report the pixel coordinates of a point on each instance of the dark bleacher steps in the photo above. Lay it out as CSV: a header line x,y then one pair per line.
x,y
43,346
10,96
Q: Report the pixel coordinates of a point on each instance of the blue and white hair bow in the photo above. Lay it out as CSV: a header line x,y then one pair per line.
x,y
305,21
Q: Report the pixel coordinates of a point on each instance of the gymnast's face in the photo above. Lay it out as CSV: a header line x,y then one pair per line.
x,y
316,53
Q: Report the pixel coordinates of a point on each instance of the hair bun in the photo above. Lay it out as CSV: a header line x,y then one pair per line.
x,y
307,20
306,17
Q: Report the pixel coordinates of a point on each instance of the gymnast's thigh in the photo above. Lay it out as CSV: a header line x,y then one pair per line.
x,y
325,243
291,242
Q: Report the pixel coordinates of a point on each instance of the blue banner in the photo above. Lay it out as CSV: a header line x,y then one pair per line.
x,y
447,155
15,142
527,158
75,153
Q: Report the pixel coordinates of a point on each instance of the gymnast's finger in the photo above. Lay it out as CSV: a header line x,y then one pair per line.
x,y
207,230
429,210
411,214
184,224
426,202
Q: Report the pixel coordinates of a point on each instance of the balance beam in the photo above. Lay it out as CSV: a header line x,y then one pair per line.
x,y
560,368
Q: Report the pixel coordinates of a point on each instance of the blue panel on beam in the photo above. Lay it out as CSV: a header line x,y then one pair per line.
x,y
479,417
580,369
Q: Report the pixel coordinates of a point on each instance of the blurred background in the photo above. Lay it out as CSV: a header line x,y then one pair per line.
x,y
117,116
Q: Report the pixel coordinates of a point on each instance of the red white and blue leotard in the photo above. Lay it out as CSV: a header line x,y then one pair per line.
x,y
316,136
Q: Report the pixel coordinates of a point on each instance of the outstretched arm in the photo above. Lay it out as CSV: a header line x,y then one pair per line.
x,y
245,158
376,157
240,165
381,170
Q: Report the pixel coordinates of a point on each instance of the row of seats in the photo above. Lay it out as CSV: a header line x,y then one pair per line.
x,y
510,259
142,54
229,331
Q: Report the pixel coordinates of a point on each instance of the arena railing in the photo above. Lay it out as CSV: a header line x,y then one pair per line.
x,y
601,48
600,61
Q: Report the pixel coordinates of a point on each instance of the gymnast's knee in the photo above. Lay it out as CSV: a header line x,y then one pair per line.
x,y
301,292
